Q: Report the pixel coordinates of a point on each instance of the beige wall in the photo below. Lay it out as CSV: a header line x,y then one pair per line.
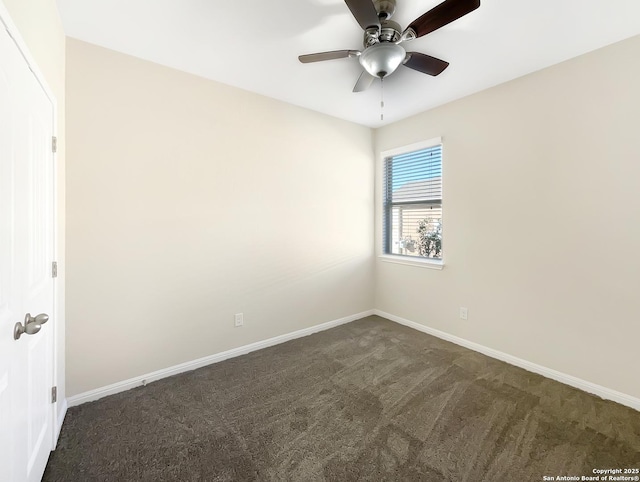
x,y
190,201
541,219
41,29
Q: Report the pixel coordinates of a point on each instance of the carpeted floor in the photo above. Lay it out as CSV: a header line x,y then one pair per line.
x,y
370,400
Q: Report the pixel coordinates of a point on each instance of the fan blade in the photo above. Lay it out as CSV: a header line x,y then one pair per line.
x,y
441,15
364,82
364,12
425,63
334,54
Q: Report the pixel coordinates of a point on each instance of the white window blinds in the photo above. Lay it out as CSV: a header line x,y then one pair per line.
x,y
413,203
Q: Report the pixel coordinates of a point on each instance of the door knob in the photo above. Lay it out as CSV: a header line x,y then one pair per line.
x,y
32,325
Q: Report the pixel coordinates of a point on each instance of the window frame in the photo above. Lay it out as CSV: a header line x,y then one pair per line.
x,y
430,263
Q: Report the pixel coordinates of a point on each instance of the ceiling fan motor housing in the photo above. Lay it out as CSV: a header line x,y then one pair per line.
x,y
389,32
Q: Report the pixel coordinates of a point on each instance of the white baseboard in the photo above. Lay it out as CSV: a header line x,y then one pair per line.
x,y
208,360
603,392
584,385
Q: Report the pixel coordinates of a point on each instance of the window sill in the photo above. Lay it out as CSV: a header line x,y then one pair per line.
x,y
422,263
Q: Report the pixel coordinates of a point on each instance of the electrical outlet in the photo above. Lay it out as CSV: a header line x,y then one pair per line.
x,y
464,313
239,319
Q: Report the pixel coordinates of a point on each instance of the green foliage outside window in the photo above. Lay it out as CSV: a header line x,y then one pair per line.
x,y
430,238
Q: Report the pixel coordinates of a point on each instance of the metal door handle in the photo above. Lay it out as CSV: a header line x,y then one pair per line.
x,y
32,325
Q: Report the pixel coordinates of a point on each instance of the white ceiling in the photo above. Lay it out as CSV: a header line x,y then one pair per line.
x,y
254,45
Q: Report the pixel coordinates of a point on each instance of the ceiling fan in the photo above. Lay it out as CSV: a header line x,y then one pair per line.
x,y
382,53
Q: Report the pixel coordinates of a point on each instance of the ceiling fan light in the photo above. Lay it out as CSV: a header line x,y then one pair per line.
x,y
382,59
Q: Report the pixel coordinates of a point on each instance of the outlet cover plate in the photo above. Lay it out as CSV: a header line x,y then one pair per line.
x,y
239,319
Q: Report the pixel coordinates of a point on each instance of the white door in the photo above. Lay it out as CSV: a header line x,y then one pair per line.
x,y
26,254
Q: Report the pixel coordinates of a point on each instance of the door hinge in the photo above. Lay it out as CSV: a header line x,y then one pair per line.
x,y
54,144
54,269
54,394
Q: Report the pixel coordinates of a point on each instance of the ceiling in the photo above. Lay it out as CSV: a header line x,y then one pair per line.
x,y
254,45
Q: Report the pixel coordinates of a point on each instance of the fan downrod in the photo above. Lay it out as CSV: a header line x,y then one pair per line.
x,y
385,8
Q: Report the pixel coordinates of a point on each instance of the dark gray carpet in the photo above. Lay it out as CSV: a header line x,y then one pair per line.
x,y
371,400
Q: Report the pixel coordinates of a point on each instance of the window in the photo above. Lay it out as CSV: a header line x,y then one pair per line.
x,y
412,193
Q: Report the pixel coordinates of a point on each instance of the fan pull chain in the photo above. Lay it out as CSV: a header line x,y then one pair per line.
x,y
381,99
